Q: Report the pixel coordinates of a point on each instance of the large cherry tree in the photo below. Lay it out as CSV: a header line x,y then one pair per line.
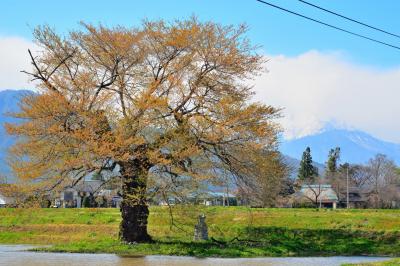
x,y
164,98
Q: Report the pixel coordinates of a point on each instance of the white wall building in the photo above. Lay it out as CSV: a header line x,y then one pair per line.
x,y
4,201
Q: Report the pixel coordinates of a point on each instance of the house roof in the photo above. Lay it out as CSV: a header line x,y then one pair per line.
x,y
211,194
220,194
355,194
316,186
87,186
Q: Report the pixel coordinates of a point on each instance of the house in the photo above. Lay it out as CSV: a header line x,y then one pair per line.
x,y
321,195
69,198
358,198
219,199
209,198
73,196
4,201
116,201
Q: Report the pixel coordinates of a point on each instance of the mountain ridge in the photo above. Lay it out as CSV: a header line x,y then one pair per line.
x,y
356,146
8,103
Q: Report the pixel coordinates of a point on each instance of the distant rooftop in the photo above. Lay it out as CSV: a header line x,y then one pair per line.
x,y
321,186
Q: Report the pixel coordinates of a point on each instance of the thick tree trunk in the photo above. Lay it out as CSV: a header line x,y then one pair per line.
x,y
134,209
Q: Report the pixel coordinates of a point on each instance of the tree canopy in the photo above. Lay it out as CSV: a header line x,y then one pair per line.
x,y
333,160
307,171
166,99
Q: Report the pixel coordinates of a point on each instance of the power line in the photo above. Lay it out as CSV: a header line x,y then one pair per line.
x,y
329,25
350,19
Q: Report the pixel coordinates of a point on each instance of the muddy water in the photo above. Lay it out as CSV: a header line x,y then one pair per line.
x,y
14,255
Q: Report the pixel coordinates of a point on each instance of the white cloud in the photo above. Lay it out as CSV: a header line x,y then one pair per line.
x,y
316,88
313,88
14,58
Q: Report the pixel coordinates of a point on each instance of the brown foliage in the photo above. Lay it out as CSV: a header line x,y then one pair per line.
x,y
170,98
173,94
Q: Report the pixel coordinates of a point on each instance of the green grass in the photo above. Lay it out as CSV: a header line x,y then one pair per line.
x,y
238,231
394,262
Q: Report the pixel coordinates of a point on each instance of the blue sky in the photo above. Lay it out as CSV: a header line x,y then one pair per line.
x,y
276,31
318,75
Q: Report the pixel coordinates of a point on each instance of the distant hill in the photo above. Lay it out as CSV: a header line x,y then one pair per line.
x,y
8,103
356,146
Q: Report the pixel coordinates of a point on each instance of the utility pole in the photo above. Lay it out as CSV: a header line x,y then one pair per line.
x,y
227,187
347,191
320,202
320,196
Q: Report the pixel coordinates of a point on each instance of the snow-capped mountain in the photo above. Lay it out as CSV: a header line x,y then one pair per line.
x,y
356,146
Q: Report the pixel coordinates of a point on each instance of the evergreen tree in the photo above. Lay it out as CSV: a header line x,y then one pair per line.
x,y
333,159
307,171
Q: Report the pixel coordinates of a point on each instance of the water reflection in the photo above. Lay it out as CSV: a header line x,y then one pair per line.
x,y
13,256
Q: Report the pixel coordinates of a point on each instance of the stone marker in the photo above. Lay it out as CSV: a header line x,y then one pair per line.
x,y
200,229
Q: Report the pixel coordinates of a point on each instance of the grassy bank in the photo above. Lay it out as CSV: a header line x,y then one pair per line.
x,y
394,262
237,231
